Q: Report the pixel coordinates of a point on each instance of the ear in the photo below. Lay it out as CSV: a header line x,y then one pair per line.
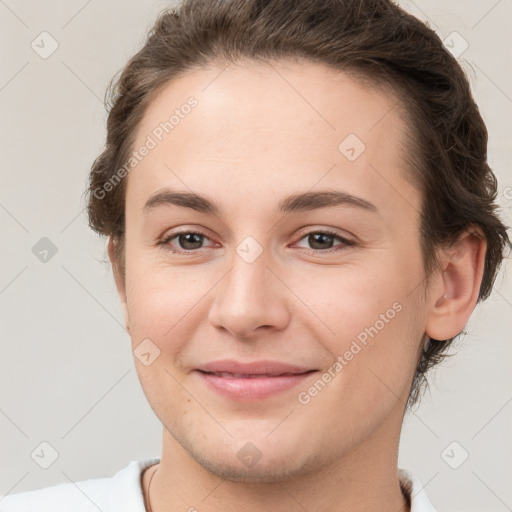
x,y
119,279
455,294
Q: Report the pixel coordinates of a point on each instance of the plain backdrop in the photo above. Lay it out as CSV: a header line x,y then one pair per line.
x,y
67,375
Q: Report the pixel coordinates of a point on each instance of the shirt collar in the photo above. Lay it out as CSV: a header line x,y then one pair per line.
x,y
418,497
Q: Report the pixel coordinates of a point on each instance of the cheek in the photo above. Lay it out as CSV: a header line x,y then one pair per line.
x,y
165,307
373,364
164,304
371,322
388,356
353,300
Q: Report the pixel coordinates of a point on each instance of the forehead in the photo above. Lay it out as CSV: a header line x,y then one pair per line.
x,y
285,124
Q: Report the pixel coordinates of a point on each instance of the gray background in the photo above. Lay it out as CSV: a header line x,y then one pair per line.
x,y
67,375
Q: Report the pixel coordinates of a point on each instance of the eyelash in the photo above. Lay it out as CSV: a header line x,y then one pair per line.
x,y
345,241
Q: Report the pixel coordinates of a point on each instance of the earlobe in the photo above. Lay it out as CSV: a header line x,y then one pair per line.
x,y
459,286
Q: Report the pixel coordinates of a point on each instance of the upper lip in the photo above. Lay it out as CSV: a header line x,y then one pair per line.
x,y
272,368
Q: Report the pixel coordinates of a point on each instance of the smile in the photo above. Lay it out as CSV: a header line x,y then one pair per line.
x,y
252,386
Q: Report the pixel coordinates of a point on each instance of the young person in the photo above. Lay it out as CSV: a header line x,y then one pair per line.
x,y
301,219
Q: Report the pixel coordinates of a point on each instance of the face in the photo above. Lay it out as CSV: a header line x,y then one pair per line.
x,y
285,303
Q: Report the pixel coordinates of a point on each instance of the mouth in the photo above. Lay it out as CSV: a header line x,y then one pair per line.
x,y
251,375
251,381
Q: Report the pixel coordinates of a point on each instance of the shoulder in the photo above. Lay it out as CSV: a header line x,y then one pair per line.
x,y
121,491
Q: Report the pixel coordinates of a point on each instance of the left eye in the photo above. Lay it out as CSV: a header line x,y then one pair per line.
x,y
323,240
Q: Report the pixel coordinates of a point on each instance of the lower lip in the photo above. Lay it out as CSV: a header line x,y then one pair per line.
x,y
250,388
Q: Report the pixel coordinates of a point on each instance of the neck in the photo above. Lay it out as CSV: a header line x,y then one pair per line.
x,y
364,479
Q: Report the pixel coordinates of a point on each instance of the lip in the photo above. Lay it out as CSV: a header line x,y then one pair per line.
x,y
252,381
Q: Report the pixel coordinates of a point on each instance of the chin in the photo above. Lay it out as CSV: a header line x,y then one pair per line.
x,y
262,472
261,461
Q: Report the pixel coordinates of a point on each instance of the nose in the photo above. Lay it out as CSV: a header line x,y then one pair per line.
x,y
250,299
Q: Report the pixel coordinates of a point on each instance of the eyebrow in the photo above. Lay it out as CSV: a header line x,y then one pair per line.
x,y
293,203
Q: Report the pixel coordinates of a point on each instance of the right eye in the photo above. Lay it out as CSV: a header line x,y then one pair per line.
x,y
187,240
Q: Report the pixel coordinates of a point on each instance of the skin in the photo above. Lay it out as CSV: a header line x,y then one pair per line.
x,y
252,141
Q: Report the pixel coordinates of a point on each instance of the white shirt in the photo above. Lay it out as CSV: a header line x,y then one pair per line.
x,y
123,493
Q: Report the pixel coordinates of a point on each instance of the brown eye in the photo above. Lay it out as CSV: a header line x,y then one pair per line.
x,y
320,241
190,241
323,241
184,242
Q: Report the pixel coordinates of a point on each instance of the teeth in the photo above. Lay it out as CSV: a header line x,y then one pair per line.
x,y
243,376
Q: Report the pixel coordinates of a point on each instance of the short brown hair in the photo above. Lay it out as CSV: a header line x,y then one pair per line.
x,y
374,39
